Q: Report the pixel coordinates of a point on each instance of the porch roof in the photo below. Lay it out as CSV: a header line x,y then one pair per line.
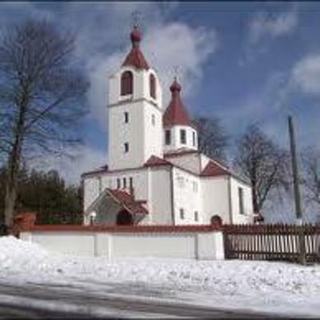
x,y
127,200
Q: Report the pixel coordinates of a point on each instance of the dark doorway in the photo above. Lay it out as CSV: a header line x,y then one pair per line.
x,y
124,218
216,220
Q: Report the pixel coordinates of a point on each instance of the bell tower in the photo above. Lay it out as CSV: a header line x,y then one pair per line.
x,y
135,111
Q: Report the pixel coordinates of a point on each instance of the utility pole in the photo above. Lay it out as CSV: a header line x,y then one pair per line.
x,y
296,189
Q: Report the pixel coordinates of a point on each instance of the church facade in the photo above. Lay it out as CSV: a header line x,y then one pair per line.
x,y
155,173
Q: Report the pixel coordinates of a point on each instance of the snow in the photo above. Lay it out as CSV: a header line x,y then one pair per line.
x,y
256,285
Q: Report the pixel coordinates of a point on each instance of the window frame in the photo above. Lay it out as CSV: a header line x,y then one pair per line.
x,y
183,136
241,200
152,86
167,137
126,83
126,147
126,117
130,182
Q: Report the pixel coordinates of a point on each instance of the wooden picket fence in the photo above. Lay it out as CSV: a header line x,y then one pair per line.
x,y
271,242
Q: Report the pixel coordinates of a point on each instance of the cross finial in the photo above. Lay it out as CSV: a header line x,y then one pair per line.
x,y
136,17
175,72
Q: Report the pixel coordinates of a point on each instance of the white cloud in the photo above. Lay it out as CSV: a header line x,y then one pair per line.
x,y
177,44
264,25
306,74
165,45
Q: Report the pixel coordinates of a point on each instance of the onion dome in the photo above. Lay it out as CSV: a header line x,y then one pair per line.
x,y
135,58
176,113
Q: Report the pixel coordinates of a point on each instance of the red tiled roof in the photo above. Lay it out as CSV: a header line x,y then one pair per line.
x,y
127,200
212,169
156,161
135,58
176,113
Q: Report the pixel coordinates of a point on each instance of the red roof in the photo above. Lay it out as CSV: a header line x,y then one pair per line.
x,y
176,113
127,200
156,161
135,57
213,169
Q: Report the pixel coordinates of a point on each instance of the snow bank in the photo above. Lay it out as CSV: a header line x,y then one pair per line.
x,y
18,254
255,284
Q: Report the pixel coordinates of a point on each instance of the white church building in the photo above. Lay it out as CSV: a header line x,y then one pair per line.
x,y
155,173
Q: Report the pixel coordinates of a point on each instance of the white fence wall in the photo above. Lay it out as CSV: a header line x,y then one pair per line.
x,y
190,245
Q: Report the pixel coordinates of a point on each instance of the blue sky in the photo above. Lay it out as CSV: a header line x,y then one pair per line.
x,y
244,62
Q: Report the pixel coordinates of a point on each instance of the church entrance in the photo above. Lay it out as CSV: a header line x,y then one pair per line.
x,y
124,218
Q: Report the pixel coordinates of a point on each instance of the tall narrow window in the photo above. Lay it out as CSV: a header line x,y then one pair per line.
x,y
118,184
193,138
168,137
126,83
131,182
152,86
183,138
181,214
126,147
153,119
124,183
241,207
196,216
126,117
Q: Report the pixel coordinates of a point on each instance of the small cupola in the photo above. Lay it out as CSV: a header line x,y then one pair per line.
x,y
176,113
135,58
178,128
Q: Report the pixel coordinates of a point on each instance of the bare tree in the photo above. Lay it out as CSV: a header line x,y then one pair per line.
x,y
212,137
311,170
40,97
264,163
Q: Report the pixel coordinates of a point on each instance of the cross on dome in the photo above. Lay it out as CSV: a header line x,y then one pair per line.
x,y
135,58
176,113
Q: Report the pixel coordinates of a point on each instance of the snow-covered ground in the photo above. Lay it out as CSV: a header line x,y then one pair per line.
x,y
261,286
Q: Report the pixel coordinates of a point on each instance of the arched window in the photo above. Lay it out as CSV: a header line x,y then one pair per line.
x,y
152,86
126,83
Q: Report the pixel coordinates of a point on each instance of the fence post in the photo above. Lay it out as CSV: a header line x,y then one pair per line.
x,y
302,245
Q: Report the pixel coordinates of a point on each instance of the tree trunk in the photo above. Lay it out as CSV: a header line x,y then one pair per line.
x,y
10,200
14,166
256,207
11,181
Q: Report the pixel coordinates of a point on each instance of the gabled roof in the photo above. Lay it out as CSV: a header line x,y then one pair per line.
x,y
156,161
135,58
127,201
176,113
212,169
